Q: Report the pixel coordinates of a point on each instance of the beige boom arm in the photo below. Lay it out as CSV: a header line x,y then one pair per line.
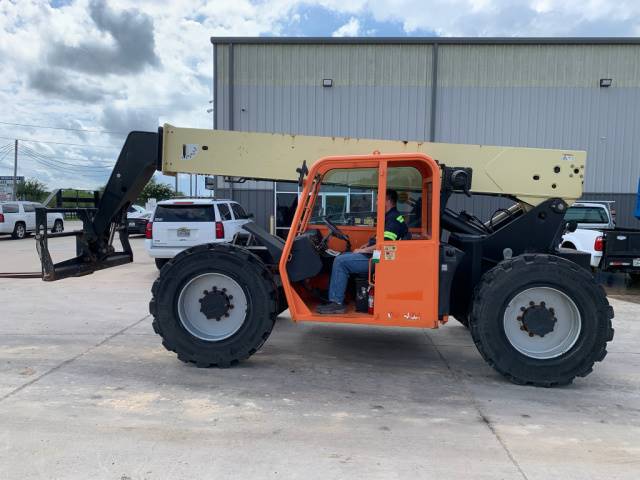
x,y
530,175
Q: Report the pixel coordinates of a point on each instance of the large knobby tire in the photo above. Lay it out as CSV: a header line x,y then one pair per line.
x,y
241,302
540,320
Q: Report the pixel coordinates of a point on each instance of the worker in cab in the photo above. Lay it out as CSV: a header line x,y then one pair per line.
x,y
357,261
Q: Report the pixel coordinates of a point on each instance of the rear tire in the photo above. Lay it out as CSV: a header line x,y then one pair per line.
x,y
527,298
58,227
235,326
19,231
161,262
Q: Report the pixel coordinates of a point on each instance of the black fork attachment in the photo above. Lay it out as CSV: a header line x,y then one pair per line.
x,y
138,160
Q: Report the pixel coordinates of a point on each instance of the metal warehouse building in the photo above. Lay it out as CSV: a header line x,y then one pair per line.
x,y
539,92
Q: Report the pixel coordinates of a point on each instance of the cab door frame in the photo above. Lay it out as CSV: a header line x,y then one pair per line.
x,y
407,274
417,305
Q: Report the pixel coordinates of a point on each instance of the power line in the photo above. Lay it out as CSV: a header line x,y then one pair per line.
x,y
56,160
62,128
59,143
67,170
67,167
4,154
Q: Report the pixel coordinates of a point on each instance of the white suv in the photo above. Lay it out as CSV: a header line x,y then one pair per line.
x,y
182,223
18,219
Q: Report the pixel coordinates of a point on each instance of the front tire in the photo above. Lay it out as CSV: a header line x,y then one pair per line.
x,y
214,305
541,320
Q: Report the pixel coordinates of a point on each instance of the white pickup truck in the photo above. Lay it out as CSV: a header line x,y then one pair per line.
x,y
611,249
18,219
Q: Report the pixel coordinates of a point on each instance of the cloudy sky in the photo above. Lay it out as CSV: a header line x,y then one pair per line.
x,y
96,69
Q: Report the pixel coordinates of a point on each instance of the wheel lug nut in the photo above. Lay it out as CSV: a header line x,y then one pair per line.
x,y
230,297
530,334
531,304
522,309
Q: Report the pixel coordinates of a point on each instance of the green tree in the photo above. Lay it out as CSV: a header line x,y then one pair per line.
x,y
153,189
32,189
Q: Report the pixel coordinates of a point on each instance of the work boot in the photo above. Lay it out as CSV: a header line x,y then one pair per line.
x,y
331,308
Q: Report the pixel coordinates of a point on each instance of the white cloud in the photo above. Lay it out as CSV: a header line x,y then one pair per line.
x,y
47,81
349,29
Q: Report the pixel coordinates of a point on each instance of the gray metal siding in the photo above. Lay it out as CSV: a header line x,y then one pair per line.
x,y
378,91
222,85
538,65
365,112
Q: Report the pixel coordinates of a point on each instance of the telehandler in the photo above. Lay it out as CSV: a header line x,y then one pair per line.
x,y
533,310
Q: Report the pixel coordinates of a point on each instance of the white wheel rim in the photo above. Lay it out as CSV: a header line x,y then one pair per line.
x,y
20,231
196,323
566,329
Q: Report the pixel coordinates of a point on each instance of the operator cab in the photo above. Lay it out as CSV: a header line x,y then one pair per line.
x,y
339,210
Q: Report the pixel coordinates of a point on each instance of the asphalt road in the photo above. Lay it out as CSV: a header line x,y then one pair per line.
x,y
87,391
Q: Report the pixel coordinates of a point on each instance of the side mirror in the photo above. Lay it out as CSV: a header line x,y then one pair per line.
x,y
571,226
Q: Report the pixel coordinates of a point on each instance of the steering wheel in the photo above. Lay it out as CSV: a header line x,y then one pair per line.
x,y
334,231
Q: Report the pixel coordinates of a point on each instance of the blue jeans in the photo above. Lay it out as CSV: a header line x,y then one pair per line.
x,y
343,265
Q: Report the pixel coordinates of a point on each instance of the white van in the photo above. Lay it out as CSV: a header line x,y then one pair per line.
x,y
18,219
178,224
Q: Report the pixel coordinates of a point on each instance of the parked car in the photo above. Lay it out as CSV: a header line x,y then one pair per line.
x,y
18,219
136,211
612,249
137,225
178,224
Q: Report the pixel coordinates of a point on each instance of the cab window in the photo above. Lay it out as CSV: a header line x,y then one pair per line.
x,y
407,182
347,197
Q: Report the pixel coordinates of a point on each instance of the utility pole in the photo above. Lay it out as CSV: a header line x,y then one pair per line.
x,y
176,183
190,185
15,171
